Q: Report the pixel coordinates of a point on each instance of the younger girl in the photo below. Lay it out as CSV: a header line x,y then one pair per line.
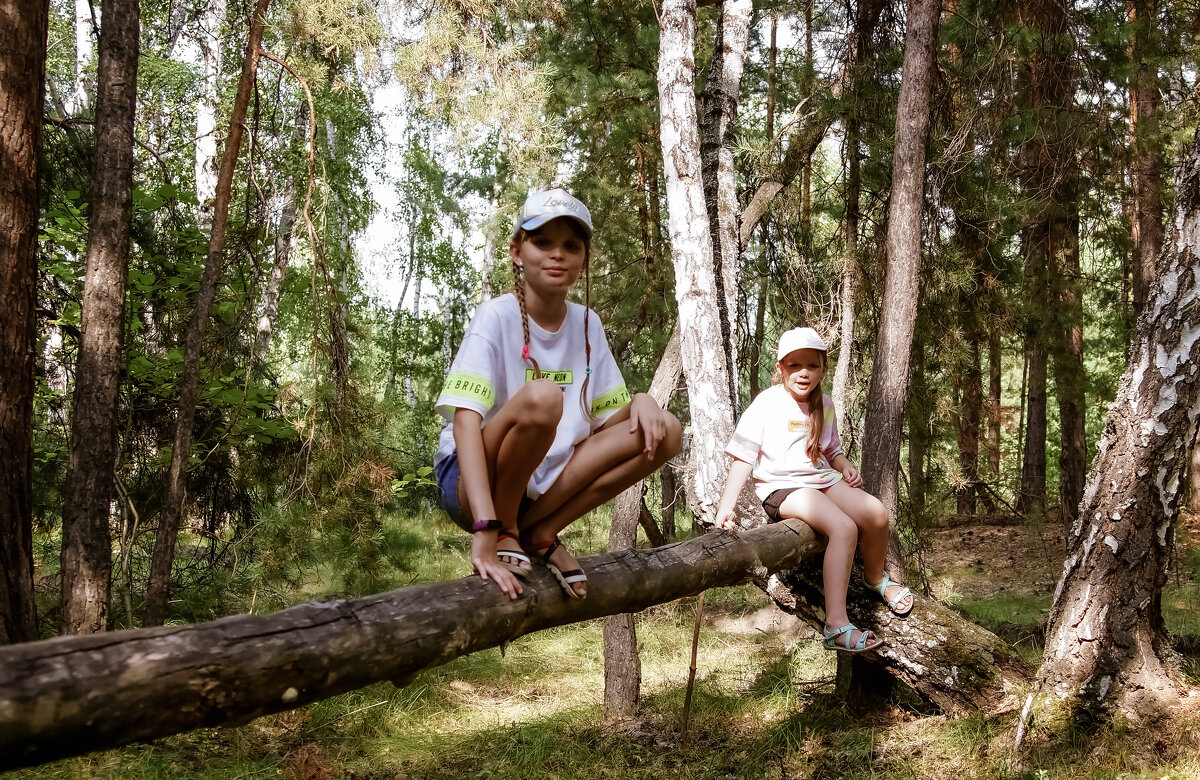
x,y
540,428
788,439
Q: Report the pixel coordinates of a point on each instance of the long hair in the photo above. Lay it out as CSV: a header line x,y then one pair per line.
x,y
518,238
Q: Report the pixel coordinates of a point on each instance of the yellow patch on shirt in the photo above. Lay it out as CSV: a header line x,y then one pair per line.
x,y
796,426
558,377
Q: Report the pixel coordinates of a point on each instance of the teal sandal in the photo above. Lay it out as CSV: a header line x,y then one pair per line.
x,y
881,589
861,646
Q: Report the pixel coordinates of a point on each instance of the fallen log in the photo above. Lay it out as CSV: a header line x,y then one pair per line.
x,y
71,695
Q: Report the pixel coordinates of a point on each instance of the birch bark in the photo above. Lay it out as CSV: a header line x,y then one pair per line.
x,y
1106,647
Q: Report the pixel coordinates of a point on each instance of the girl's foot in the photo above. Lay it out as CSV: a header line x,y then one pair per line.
x,y
563,565
511,556
849,639
898,598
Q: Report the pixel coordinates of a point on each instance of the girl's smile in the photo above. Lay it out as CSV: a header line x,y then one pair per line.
x,y
551,258
803,369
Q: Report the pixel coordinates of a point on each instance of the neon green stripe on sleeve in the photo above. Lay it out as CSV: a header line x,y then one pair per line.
x,y
610,401
470,387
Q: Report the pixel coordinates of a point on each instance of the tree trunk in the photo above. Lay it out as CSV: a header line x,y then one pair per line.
x,y
670,500
86,561
168,526
622,665
1069,374
720,101
208,106
1145,146
84,51
23,30
707,370
993,403
1033,463
889,374
274,289
69,695
1106,647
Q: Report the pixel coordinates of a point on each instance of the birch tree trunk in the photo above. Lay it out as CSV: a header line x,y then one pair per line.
x,y
705,364
1106,647
86,559
889,374
208,106
84,51
23,31
720,101
172,510
274,289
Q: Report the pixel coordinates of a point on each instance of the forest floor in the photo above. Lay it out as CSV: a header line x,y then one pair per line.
x,y
764,704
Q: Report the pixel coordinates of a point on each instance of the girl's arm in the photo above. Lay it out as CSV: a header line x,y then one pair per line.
x,y
738,472
848,470
472,469
643,413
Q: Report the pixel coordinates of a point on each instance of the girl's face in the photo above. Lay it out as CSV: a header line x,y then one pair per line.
x,y
802,370
551,257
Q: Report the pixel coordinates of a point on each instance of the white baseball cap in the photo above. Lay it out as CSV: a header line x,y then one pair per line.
x,y
799,338
541,207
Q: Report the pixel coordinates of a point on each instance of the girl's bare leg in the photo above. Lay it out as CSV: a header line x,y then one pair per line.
x,y
869,514
600,468
515,442
819,511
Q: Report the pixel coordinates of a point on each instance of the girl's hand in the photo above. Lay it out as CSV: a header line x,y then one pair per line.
x,y
852,475
725,520
487,564
645,414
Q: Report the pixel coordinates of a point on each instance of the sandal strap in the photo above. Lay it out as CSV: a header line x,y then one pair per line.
x,y
831,637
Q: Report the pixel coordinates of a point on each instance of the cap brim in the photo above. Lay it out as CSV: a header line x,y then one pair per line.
x,y
533,223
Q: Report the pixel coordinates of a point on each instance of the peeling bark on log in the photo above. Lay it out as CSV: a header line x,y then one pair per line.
x,y
67,696
949,662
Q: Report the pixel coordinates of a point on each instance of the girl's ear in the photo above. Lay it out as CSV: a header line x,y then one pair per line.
x,y
514,252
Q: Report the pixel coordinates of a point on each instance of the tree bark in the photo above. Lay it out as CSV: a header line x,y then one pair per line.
x,y
1033,461
168,526
1145,146
86,559
993,403
1106,646
720,101
622,665
208,107
23,31
889,374
707,370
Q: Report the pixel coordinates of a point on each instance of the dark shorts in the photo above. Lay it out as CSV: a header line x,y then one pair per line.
x,y
772,502
447,474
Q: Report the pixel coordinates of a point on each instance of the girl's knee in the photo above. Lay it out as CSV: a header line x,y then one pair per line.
x,y
672,443
843,530
876,515
541,403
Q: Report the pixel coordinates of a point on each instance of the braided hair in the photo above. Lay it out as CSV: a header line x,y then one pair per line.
x,y
816,418
519,289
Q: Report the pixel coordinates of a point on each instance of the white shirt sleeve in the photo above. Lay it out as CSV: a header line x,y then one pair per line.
x,y
606,390
471,382
747,439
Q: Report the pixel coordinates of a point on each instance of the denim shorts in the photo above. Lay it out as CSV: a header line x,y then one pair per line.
x,y
447,474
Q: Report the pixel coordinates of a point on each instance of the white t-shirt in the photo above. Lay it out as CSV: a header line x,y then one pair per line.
x,y
489,369
772,436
